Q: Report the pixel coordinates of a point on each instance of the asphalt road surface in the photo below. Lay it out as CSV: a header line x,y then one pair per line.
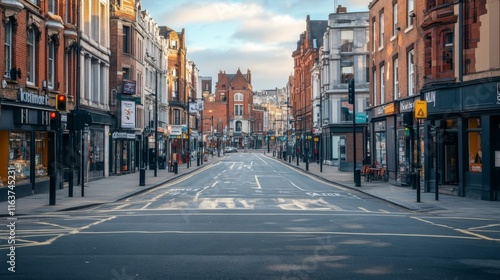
x,y
250,217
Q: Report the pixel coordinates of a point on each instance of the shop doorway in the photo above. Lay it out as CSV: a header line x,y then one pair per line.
x,y
450,141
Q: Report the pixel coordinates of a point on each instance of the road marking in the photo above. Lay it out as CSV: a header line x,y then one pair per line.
x,y
122,206
296,186
285,232
258,183
363,209
147,205
198,193
464,231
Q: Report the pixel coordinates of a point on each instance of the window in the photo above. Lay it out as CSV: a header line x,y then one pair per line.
x,y
95,80
238,110
374,32
103,25
374,87
30,71
411,73
475,151
126,73
51,66
395,28
448,51
238,96
346,40
238,126
410,13
95,21
382,84
346,68
381,32
52,6
177,117
126,39
8,48
396,78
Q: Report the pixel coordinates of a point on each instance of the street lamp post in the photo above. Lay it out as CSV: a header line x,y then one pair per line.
x,y
156,124
155,113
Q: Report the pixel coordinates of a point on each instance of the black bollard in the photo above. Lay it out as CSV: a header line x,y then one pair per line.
x,y
142,177
176,167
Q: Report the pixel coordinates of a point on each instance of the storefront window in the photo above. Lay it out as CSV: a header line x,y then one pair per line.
x,y
380,156
475,151
95,160
41,155
380,144
19,155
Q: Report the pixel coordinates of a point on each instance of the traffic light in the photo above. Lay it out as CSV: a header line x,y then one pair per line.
x,y
407,132
55,120
351,91
61,103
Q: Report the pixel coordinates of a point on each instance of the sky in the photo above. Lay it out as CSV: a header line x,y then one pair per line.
x,y
259,35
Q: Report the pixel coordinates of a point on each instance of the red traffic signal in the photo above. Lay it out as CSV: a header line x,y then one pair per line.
x,y
61,103
55,120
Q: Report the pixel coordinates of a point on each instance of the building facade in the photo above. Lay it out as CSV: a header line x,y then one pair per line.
x,y
305,57
37,59
344,56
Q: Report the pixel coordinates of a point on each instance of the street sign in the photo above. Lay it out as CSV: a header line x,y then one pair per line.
x,y
420,109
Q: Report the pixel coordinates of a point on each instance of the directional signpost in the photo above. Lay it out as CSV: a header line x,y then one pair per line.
x,y
420,113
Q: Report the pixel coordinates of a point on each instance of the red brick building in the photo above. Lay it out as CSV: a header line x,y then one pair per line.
x,y
232,108
305,57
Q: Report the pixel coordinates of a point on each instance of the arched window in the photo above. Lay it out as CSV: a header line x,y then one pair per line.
x,y
238,126
238,96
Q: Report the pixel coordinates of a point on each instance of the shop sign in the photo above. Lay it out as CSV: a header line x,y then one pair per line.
x,y
31,98
360,117
122,135
380,111
476,167
390,109
128,87
430,97
406,106
176,130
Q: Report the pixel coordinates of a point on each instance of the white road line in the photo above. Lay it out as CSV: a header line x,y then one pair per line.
x,y
257,180
284,232
363,209
146,206
297,186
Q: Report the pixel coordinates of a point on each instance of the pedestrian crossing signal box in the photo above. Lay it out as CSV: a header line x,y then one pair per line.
x,y
420,109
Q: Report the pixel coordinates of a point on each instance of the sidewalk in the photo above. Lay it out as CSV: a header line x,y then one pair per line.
x,y
101,191
402,195
114,188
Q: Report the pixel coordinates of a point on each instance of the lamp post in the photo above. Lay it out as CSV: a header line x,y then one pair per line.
x,y
155,115
186,96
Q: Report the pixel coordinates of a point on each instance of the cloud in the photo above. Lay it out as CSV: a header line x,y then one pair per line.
x,y
259,35
264,66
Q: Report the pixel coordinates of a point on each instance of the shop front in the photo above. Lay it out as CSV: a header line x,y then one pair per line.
x,y
24,142
405,140
383,129
123,151
463,124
